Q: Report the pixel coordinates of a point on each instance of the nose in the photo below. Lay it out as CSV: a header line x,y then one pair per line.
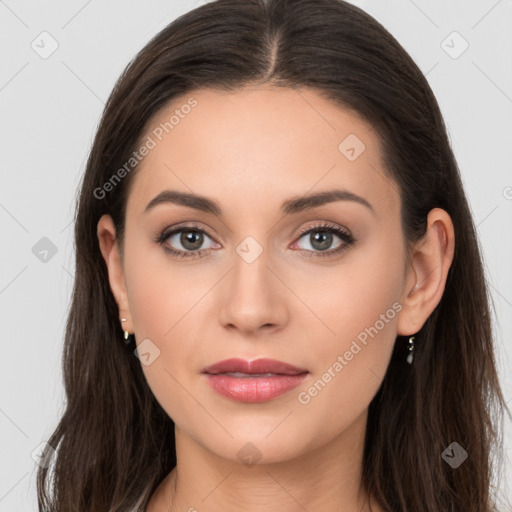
x,y
253,297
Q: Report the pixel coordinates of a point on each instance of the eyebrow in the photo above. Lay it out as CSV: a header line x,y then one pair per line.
x,y
290,206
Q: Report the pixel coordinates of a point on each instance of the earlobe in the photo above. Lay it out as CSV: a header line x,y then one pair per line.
x,y
427,272
110,250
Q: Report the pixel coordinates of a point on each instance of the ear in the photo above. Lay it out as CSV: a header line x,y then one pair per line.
x,y
426,273
111,254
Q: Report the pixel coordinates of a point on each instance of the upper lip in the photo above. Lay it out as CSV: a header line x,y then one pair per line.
x,y
257,366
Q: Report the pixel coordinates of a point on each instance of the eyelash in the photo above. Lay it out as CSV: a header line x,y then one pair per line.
x,y
329,228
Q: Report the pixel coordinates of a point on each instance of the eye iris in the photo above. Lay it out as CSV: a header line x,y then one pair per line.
x,y
193,238
324,239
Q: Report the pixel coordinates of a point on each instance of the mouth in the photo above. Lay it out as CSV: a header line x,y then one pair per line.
x,y
248,375
253,381
261,366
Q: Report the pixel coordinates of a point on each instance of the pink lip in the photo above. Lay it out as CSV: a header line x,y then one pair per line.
x,y
253,389
257,366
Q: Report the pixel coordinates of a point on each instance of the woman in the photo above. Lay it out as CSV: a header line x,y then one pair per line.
x,y
279,300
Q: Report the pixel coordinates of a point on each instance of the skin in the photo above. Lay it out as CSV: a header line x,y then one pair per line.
x,y
250,150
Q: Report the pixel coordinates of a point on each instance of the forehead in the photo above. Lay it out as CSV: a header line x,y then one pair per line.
x,y
260,145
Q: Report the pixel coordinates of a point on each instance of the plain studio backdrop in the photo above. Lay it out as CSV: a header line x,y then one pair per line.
x,y
52,94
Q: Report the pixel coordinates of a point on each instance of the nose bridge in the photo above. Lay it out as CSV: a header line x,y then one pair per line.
x,y
251,275
251,296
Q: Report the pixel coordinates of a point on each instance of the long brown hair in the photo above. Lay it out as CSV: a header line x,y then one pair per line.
x,y
114,443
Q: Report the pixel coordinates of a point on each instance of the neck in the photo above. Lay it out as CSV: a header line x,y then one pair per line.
x,y
326,478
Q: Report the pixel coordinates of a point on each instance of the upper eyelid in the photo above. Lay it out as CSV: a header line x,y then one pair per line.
x,y
344,234
327,225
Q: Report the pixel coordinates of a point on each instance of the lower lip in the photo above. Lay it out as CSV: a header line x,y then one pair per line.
x,y
257,389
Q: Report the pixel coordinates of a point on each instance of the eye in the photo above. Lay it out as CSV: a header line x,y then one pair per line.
x,y
191,239
320,238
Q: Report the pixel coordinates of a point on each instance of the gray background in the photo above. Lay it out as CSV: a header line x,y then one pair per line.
x,y
50,110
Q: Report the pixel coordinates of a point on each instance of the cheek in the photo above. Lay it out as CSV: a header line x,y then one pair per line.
x,y
357,297
162,291
165,301
359,310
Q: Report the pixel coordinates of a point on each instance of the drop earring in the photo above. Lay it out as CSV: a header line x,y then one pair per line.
x,y
127,335
410,347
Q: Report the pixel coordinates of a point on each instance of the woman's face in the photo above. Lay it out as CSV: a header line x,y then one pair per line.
x,y
270,281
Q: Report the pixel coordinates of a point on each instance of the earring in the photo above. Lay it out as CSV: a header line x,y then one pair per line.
x,y
127,335
410,347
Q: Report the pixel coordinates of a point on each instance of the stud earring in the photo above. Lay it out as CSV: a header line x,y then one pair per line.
x,y
410,347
